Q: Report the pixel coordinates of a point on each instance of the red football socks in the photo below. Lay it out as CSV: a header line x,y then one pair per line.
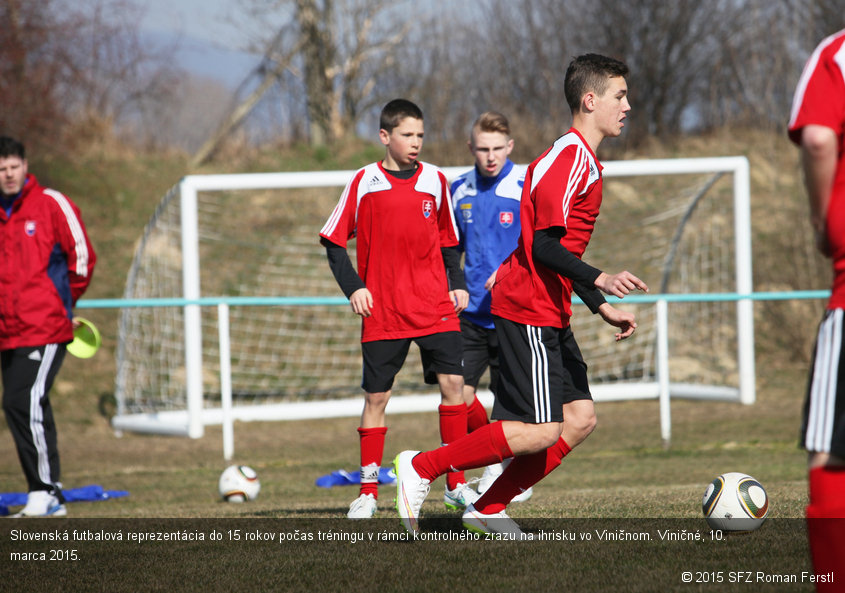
x,y
479,448
522,473
453,425
372,450
476,416
826,526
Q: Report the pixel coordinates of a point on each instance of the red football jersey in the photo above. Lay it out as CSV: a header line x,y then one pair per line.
x,y
400,226
562,189
820,99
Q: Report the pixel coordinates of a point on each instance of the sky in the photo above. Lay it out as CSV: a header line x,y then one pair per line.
x,y
210,45
206,20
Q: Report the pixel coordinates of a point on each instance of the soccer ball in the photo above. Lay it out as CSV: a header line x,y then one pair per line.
x,y
239,483
735,502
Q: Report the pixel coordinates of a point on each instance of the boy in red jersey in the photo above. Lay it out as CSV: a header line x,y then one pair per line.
x,y
408,286
817,125
543,405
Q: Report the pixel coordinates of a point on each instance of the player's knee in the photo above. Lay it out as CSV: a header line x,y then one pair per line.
x,y
589,424
579,426
376,401
818,459
451,389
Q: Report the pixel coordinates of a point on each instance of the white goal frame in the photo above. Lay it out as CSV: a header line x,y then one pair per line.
x,y
192,421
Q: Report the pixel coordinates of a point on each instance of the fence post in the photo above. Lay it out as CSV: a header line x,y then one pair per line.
x,y
663,371
226,381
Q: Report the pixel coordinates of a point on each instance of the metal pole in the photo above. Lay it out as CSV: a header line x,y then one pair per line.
x,y
226,381
663,372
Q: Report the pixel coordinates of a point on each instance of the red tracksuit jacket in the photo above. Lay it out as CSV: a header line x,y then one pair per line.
x,y
46,261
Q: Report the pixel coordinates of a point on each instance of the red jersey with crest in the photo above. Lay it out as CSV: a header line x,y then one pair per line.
x,y
820,100
562,188
400,226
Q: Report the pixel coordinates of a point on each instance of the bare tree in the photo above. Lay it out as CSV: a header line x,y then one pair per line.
x,y
117,75
694,65
533,45
331,47
61,65
319,52
667,45
29,65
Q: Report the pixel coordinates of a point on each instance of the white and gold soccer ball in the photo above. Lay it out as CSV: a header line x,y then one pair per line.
x,y
735,501
239,483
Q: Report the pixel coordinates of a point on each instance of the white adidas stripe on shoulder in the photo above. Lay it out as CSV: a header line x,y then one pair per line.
x,y
75,226
809,70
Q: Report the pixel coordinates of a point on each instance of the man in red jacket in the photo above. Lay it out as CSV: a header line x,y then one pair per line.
x,y
46,261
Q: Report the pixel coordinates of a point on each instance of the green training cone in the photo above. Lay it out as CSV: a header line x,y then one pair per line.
x,y
86,339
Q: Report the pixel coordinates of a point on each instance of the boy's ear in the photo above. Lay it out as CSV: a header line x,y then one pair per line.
x,y
384,136
588,102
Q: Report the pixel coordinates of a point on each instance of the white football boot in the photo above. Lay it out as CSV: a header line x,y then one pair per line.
x,y
41,503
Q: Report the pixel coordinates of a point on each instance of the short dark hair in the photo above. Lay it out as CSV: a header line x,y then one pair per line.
x,y
11,147
397,110
589,72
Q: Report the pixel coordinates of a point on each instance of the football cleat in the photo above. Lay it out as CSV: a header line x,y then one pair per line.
x,y
363,507
460,497
411,490
495,523
41,503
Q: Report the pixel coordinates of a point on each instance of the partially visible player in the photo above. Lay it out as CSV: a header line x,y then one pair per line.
x,y
817,125
46,266
408,285
543,404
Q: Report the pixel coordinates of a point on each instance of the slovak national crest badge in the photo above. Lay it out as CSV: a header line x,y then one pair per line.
x,y
506,218
428,207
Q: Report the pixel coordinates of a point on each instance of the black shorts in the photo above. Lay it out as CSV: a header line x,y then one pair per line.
x,y
823,425
440,354
541,369
481,350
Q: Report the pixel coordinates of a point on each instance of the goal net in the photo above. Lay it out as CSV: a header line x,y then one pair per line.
x,y
673,223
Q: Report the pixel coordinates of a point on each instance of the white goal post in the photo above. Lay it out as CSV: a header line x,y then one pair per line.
x,y
191,420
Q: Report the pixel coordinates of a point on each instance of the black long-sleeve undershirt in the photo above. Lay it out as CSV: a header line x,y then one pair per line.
x,y
550,253
454,273
341,266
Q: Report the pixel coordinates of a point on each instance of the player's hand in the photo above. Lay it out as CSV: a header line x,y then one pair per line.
x,y
622,319
621,284
459,298
491,281
362,302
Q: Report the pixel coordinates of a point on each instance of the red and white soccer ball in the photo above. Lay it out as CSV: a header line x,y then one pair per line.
x,y
239,483
735,502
